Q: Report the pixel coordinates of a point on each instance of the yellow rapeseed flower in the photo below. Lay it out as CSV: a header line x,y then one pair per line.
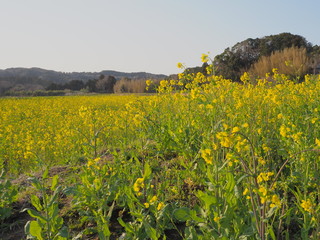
x,y
225,139
204,58
206,155
275,70
180,75
179,65
164,83
263,200
148,82
264,176
216,219
147,205
225,126
259,131
160,206
245,125
284,131
266,148
209,106
90,163
261,161
235,129
153,199
245,78
280,116
209,70
139,184
245,192
275,201
307,205
263,191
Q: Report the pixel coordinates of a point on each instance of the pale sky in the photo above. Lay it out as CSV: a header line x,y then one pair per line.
x,y
141,35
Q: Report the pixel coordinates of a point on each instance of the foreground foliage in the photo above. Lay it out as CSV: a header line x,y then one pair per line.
x,y
206,158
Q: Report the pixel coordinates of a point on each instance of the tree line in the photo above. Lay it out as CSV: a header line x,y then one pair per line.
x,y
103,84
106,84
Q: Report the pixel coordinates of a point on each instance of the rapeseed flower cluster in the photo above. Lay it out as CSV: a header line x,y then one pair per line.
x,y
275,201
94,163
138,185
264,177
206,154
225,139
307,205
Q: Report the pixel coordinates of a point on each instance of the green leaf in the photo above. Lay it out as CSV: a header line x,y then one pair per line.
x,y
36,183
151,232
35,201
190,233
230,182
54,182
207,199
224,238
193,215
182,214
35,230
103,231
147,171
59,238
241,178
36,215
27,228
45,173
243,237
237,192
271,232
58,222
54,197
111,210
126,226
5,212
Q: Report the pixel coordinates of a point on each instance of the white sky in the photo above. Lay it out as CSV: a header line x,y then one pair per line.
x,y
140,35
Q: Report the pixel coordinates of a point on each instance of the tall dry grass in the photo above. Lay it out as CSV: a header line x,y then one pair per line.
x,y
292,61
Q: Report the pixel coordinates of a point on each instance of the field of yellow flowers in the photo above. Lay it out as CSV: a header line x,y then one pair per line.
x,y
205,158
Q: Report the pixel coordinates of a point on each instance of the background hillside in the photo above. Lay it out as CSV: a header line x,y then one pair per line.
x,y
29,79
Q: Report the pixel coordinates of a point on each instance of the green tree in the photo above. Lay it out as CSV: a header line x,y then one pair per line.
x,y
90,85
74,85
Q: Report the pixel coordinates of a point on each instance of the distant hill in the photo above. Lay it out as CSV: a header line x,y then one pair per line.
x,y
37,78
38,74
